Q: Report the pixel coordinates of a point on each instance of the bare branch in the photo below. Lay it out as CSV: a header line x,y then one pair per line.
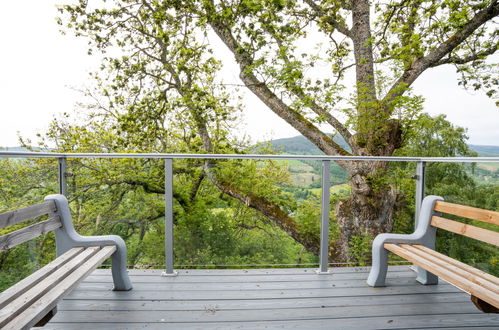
x,y
470,58
419,65
338,25
298,91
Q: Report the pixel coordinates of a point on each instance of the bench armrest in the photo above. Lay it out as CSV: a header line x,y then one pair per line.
x,y
67,238
423,235
381,239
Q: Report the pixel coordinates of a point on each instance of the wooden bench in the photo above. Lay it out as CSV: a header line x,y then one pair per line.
x,y
419,248
33,300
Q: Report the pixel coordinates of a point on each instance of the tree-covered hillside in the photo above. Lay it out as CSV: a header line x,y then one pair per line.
x,y
483,173
299,145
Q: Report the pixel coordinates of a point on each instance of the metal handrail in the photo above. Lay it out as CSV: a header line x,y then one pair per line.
x,y
326,182
29,154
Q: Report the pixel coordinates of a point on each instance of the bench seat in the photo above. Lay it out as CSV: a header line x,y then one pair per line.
x,y
419,248
33,300
26,303
469,279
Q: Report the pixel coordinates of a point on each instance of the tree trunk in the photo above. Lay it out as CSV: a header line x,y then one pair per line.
x,y
362,219
368,211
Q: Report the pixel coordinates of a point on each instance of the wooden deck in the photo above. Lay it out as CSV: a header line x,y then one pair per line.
x,y
268,299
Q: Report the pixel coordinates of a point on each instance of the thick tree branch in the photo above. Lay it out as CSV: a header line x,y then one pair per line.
x,y
330,119
260,89
363,53
266,207
270,210
195,187
150,188
298,91
419,65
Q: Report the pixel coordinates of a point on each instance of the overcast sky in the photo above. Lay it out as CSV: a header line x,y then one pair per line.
x,y
40,66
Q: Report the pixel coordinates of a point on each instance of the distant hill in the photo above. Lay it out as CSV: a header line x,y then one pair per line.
x,y
13,149
301,145
486,151
22,149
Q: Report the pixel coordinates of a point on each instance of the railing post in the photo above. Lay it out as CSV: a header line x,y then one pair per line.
x,y
169,218
325,199
420,185
62,175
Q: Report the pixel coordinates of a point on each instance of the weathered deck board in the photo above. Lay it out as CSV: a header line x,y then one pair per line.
x,y
244,304
257,272
259,314
283,325
267,299
154,277
243,285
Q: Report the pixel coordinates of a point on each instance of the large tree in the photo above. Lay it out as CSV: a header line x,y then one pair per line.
x,y
373,53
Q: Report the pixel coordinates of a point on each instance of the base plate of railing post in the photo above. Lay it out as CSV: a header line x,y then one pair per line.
x,y
319,272
165,274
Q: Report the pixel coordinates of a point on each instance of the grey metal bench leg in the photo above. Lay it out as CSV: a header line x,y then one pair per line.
x,y
119,270
424,235
377,275
425,277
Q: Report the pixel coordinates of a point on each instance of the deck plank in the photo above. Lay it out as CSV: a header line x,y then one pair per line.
x,y
267,299
452,321
167,285
243,304
307,277
258,272
265,315
257,294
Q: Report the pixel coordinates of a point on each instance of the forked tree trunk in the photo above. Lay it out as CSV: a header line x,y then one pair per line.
x,y
368,211
362,219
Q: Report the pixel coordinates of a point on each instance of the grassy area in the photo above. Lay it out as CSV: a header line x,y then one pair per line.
x,y
291,163
304,179
492,167
301,174
336,189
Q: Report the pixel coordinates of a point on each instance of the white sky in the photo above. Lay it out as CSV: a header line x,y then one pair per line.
x,y
39,67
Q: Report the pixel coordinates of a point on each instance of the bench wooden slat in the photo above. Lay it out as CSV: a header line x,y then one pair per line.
x,y
22,302
451,277
489,285
25,234
459,264
44,304
27,213
25,284
468,212
477,233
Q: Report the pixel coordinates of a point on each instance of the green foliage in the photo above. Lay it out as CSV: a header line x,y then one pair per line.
x,y
436,137
361,249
